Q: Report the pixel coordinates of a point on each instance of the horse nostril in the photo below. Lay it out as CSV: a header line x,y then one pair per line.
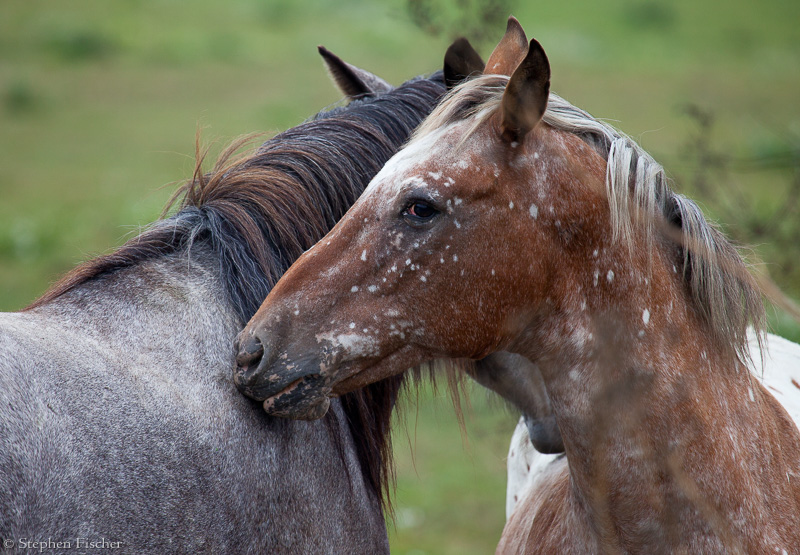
x,y
250,353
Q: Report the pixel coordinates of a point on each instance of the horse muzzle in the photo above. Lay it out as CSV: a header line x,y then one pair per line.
x,y
288,389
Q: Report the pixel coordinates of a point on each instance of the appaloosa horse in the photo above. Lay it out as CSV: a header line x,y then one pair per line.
x,y
513,220
118,419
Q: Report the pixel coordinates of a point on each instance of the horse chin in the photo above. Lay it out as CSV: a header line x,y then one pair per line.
x,y
303,399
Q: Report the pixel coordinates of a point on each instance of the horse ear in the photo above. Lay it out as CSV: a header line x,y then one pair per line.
x,y
525,98
352,81
461,62
510,51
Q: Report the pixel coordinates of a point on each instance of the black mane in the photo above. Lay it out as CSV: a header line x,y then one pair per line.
x,y
260,212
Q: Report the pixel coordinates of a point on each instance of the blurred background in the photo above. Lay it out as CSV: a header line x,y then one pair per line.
x,y
100,101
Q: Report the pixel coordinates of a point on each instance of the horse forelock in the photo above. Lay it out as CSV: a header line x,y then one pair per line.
x,y
259,211
641,205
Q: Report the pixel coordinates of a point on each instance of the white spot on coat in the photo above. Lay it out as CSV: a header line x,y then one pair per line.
x,y
534,211
646,316
354,289
610,276
364,255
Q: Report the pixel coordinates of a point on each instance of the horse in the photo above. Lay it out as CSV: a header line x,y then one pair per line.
x,y
118,419
515,221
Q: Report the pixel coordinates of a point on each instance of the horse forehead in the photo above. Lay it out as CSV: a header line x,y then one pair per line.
x,y
435,159
434,149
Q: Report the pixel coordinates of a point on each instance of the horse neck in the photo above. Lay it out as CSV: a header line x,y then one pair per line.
x,y
663,428
171,317
173,304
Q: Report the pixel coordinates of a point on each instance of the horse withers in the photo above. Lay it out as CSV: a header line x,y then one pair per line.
x,y
118,418
513,220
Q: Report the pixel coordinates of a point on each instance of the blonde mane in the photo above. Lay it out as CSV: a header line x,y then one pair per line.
x,y
641,202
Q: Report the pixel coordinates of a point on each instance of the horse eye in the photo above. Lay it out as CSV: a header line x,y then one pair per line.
x,y
419,212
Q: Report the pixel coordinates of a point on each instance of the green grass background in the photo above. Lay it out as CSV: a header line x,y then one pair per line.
x,y
100,100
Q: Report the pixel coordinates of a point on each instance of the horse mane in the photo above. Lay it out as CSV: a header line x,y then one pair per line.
x,y
723,290
260,211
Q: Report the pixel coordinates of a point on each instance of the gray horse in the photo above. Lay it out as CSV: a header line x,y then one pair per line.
x,y
119,423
